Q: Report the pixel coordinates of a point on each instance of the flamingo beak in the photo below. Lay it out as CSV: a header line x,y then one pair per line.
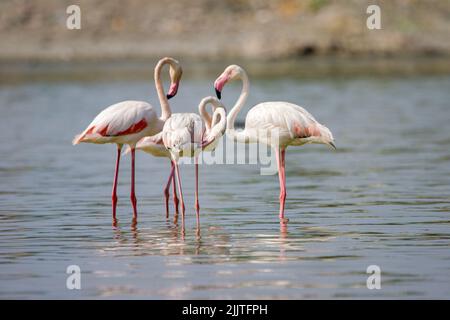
x,y
219,84
333,145
172,90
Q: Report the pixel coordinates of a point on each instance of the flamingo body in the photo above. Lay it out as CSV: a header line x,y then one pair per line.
x,y
295,125
122,123
182,134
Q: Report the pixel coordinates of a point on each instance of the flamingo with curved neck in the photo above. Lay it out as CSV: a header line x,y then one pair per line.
x,y
175,73
187,134
154,145
129,121
276,123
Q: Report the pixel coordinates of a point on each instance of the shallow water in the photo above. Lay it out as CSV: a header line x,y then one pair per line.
x,y
381,199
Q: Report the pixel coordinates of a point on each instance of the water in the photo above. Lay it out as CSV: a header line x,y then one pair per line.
x,y
381,199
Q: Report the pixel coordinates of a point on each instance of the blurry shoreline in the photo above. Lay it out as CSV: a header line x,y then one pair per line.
x,y
12,72
264,32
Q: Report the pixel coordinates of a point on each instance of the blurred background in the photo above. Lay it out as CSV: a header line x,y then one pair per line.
x,y
259,31
381,199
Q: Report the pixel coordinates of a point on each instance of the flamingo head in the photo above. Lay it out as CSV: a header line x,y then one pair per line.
x,y
231,72
175,72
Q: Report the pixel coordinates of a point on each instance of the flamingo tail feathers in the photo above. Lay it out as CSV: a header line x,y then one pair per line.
x,y
77,139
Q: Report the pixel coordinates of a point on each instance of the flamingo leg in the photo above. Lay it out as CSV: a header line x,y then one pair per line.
x,y
282,178
114,189
180,191
197,204
175,196
166,190
132,194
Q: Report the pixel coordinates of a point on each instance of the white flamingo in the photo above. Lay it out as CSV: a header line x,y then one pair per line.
x,y
129,121
187,134
291,124
154,145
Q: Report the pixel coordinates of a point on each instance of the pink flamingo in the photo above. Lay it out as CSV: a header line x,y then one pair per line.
x,y
129,121
187,134
154,145
292,125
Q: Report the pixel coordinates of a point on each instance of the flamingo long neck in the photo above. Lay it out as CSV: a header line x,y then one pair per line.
x,y
204,114
231,118
217,124
164,102
218,127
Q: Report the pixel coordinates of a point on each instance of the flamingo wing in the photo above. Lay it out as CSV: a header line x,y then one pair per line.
x,y
123,118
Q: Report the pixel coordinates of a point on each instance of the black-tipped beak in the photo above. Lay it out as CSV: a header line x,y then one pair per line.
x,y
170,96
333,145
218,94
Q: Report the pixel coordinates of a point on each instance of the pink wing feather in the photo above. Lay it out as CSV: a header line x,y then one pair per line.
x,y
123,118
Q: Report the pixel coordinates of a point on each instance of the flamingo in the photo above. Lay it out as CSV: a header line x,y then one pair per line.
x,y
154,145
129,121
187,134
293,125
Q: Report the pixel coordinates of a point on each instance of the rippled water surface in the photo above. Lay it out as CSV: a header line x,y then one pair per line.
x,y
382,199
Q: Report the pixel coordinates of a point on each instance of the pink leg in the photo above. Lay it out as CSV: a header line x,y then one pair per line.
x,y
175,196
175,199
177,171
282,178
197,204
166,190
133,195
114,189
